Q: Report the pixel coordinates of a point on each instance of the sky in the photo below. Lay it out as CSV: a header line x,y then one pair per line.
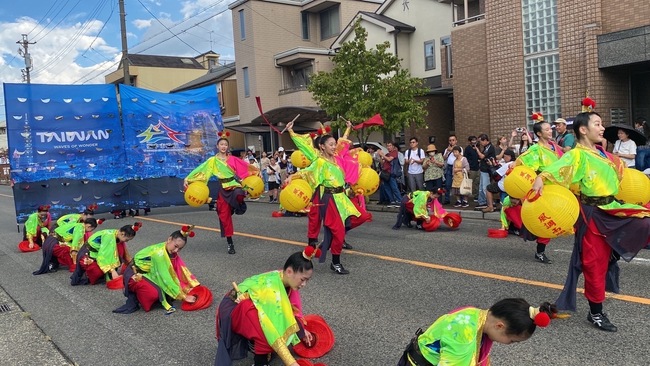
x,y
79,42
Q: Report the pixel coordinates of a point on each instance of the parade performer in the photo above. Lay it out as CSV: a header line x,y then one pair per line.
x,y
465,336
606,229
77,217
229,171
267,310
346,159
511,215
326,176
542,154
420,206
103,255
62,247
158,274
37,226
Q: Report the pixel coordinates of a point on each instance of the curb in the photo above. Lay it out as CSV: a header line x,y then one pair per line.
x,y
465,213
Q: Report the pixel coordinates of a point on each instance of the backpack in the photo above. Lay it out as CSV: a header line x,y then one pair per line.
x,y
395,168
408,155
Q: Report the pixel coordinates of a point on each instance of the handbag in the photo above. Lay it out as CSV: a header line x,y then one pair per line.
x,y
465,185
384,175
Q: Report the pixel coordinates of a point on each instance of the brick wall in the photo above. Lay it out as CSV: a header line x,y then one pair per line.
x,y
624,14
469,56
440,108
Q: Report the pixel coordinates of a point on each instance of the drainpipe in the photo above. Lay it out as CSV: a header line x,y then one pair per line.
x,y
397,32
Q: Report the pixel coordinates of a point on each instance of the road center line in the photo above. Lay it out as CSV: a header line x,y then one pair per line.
x,y
469,272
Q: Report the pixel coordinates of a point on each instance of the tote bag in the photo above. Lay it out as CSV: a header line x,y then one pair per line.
x,y
465,185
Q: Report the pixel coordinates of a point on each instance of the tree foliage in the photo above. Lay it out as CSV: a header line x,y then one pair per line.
x,y
365,82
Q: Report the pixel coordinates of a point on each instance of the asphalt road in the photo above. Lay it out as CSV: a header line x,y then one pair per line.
x,y
400,280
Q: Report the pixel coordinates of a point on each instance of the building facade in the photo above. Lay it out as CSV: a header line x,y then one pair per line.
x,y
515,57
278,45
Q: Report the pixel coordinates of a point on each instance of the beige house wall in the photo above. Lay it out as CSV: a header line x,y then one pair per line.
x,y
272,28
156,78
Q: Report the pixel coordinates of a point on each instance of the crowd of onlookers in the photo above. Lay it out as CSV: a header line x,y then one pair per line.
x,y
483,161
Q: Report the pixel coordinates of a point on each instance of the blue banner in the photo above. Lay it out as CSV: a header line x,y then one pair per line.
x,y
168,135
64,131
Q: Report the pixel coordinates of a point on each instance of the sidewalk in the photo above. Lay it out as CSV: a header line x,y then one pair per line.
x,y
22,342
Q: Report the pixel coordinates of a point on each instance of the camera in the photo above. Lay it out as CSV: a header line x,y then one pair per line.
x,y
519,129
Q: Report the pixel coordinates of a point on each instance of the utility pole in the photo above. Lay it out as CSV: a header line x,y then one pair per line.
x,y
28,58
125,48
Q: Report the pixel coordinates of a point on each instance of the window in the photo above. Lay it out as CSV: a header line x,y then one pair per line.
x,y
242,25
329,22
304,16
541,57
298,77
247,88
429,55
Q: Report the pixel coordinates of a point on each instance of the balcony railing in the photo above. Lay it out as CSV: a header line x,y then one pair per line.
x,y
469,20
292,89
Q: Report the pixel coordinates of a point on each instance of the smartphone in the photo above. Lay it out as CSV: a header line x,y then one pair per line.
x,y
519,129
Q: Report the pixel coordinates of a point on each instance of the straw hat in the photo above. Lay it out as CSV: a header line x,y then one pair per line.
x,y
431,148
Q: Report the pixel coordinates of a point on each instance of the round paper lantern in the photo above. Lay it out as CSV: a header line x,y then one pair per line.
x,y
635,187
519,181
452,220
368,182
432,225
253,185
364,158
296,196
552,214
197,194
299,160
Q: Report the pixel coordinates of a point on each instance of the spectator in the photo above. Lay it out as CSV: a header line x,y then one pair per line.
x,y
625,148
643,152
473,160
460,167
264,163
414,158
487,155
524,141
282,161
273,172
497,188
433,169
390,186
564,137
450,158
501,148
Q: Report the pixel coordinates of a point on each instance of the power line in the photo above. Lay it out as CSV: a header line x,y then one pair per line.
x,y
54,17
57,24
43,18
161,23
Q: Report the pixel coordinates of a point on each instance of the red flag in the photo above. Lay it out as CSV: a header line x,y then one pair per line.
x,y
372,121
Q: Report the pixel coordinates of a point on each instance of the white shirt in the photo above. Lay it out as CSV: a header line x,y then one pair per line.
x,y
451,158
414,166
502,172
626,147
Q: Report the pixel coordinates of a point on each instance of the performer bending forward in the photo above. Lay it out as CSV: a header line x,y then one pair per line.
x,y
62,247
265,309
157,273
103,254
230,196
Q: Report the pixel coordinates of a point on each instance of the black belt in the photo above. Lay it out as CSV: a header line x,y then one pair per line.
x,y
596,201
413,351
226,180
333,190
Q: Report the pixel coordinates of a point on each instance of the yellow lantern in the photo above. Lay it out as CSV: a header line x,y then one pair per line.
x,y
519,181
197,194
368,182
552,214
296,196
364,158
635,187
253,185
299,160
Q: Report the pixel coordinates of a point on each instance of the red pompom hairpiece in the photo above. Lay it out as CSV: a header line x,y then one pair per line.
x,y
187,231
100,221
44,208
542,319
224,134
310,252
588,104
537,117
93,207
136,226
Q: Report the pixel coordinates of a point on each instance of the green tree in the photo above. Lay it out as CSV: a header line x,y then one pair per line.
x,y
365,82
